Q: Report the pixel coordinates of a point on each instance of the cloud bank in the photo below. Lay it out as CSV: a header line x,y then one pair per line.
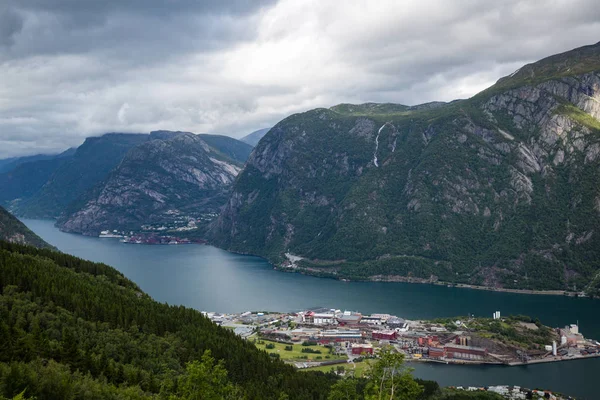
x,y
71,69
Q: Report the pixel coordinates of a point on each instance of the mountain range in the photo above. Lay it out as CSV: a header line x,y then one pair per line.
x,y
9,164
164,173
500,190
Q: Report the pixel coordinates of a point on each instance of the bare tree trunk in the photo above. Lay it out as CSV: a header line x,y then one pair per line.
x,y
381,386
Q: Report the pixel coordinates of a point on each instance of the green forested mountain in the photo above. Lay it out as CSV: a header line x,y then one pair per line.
x,y
14,231
229,147
25,180
73,329
9,164
181,175
502,189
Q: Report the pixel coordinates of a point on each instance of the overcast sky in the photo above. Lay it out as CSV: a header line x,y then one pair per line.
x,y
73,68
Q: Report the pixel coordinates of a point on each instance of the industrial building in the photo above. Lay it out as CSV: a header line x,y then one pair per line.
x,y
397,323
425,340
465,352
362,348
437,352
463,340
384,335
340,335
349,318
375,319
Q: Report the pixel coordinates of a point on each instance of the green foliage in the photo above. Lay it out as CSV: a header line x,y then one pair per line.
x,y
206,379
453,394
578,115
68,326
228,147
389,379
312,351
345,389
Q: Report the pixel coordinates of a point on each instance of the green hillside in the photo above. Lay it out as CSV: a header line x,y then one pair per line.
x,y
70,328
14,231
500,190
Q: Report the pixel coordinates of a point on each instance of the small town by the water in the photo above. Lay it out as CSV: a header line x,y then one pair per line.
x,y
345,342
324,337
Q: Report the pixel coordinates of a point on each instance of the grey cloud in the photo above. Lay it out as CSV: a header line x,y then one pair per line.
x,y
74,68
11,24
152,30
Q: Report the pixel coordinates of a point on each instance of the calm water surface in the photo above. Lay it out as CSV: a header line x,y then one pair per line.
x,y
207,278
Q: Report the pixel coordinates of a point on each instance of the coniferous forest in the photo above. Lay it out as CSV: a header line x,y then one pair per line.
x,y
74,329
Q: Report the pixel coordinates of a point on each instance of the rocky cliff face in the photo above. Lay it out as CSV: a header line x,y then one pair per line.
x,y
500,190
171,176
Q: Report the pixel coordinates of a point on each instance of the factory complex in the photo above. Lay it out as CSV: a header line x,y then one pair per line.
x,y
466,340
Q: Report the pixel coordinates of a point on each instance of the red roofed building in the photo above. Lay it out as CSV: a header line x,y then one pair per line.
x,y
362,348
384,335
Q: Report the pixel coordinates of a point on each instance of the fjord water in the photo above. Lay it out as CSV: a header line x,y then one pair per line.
x,y
207,278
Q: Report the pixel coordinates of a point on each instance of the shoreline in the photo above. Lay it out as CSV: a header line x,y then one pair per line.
x,y
422,281
497,363
386,278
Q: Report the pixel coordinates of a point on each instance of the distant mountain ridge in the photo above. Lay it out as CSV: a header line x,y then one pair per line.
x,y
500,190
173,175
14,231
46,188
254,137
9,164
92,161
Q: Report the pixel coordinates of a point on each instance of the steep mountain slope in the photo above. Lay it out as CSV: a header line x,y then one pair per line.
x,y
156,181
229,147
502,189
14,231
25,180
8,164
253,138
92,161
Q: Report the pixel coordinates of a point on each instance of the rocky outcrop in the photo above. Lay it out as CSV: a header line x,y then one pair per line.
x,y
169,177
